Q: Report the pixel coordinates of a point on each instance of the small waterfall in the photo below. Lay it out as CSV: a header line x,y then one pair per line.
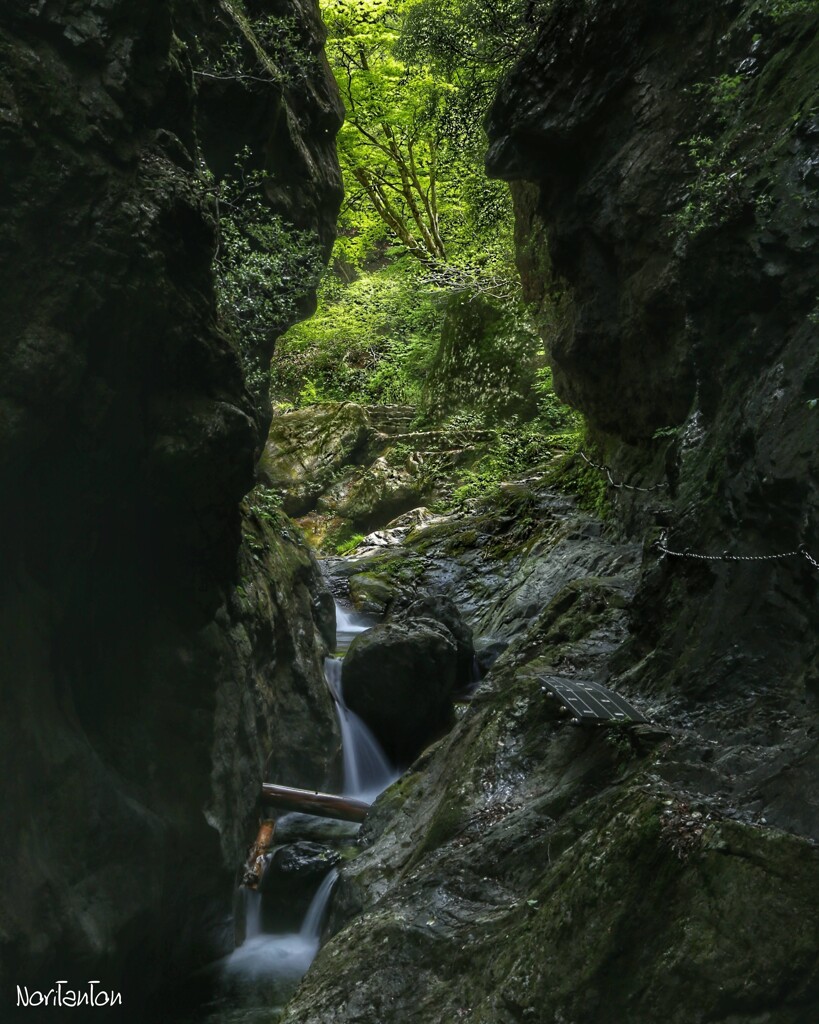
x,y
348,626
314,918
253,913
348,622
268,966
367,772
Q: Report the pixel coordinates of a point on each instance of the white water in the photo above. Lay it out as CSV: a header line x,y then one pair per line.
x,y
266,967
348,626
279,958
367,772
348,622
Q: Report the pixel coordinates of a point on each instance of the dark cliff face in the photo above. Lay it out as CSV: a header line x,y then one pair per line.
x,y
127,440
664,162
671,156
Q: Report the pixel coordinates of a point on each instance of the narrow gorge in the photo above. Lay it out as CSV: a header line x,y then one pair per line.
x,y
518,563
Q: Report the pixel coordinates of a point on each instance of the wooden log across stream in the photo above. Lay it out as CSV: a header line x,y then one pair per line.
x,y
325,805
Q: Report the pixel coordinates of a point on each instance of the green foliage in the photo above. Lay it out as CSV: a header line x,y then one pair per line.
x,y
723,94
575,476
370,341
663,432
516,450
714,191
412,148
422,228
265,503
267,48
780,9
346,546
471,39
264,270
398,454
553,416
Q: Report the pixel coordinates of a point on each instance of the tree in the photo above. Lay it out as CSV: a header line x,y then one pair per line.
x,y
392,145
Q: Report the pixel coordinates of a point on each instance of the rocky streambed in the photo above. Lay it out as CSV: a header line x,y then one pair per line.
x,y
528,868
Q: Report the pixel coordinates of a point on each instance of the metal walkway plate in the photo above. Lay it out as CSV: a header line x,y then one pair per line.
x,y
590,702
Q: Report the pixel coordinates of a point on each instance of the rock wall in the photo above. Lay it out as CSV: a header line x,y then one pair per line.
x,y
345,469
664,159
143,658
675,189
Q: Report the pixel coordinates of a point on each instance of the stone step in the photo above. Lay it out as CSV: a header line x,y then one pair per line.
x,y
390,419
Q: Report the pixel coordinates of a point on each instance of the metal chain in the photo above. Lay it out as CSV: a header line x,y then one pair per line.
x,y
615,483
726,557
801,551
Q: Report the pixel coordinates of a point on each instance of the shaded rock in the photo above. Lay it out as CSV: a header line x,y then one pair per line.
x,y
400,678
326,831
139,634
443,610
487,652
291,877
324,615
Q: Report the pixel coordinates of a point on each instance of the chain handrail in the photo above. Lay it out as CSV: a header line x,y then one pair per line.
x,y
726,556
661,545
619,485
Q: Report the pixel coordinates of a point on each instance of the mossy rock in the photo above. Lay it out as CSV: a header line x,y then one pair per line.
x,y
371,594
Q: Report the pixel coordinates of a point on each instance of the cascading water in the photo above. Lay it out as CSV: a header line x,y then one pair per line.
x,y
267,967
367,772
348,626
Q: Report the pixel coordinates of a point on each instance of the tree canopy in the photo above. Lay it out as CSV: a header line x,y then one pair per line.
x,y
412,144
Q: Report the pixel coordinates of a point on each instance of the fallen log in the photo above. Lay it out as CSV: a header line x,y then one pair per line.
x,y
325,805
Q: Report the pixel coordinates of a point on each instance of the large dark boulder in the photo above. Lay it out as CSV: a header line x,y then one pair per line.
x,y
444,611
400,678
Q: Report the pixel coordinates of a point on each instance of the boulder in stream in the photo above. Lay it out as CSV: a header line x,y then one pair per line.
x,y
444,611
400,678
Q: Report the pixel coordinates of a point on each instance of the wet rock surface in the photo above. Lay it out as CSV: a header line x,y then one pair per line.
x,y
521,854
438,608
525,868
292,874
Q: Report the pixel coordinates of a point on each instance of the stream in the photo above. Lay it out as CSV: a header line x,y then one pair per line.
x,y
367,772
260,975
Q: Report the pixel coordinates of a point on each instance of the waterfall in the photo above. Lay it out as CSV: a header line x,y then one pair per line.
x,y
314,918
348,622
279,960
265,969
253,913
367,772
348,626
